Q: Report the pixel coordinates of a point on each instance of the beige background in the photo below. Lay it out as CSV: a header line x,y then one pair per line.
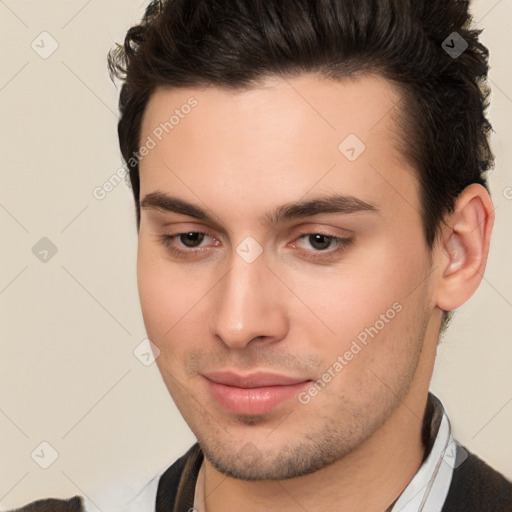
x,y
69,326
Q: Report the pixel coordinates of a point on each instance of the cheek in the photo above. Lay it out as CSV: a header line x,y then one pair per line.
x,y
161,304
372,358
153,291
162,297
171,298
370,306
354,295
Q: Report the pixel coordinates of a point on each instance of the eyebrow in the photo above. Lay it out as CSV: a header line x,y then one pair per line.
x,y
333,203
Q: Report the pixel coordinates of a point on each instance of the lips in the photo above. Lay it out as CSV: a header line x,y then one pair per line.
x,y
252,394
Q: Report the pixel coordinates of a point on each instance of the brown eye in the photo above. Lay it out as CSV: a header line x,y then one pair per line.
x,y
322,243
319,241
191,239
186,245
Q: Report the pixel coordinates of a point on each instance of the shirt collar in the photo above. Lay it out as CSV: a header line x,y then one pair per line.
x,y
429,487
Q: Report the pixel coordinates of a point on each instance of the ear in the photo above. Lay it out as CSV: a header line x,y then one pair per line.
x,y
464,246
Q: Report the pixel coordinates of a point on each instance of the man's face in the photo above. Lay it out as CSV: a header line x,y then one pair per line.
x,y
281,344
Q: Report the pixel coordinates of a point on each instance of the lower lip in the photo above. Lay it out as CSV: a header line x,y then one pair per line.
x,y
253,401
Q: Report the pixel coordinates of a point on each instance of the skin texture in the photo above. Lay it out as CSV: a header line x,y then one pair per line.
x,y
296,307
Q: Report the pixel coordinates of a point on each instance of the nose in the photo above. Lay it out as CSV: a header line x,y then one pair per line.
x,y
249,306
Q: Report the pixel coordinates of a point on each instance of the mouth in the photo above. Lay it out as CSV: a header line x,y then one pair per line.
x,y
252,394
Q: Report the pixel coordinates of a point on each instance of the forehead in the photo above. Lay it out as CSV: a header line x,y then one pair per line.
x,y
277,141
360,105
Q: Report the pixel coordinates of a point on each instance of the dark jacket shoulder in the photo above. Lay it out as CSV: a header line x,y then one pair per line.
x,y
177,484
476,486
53,505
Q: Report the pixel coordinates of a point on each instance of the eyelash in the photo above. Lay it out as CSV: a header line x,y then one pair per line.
x,y
342,245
